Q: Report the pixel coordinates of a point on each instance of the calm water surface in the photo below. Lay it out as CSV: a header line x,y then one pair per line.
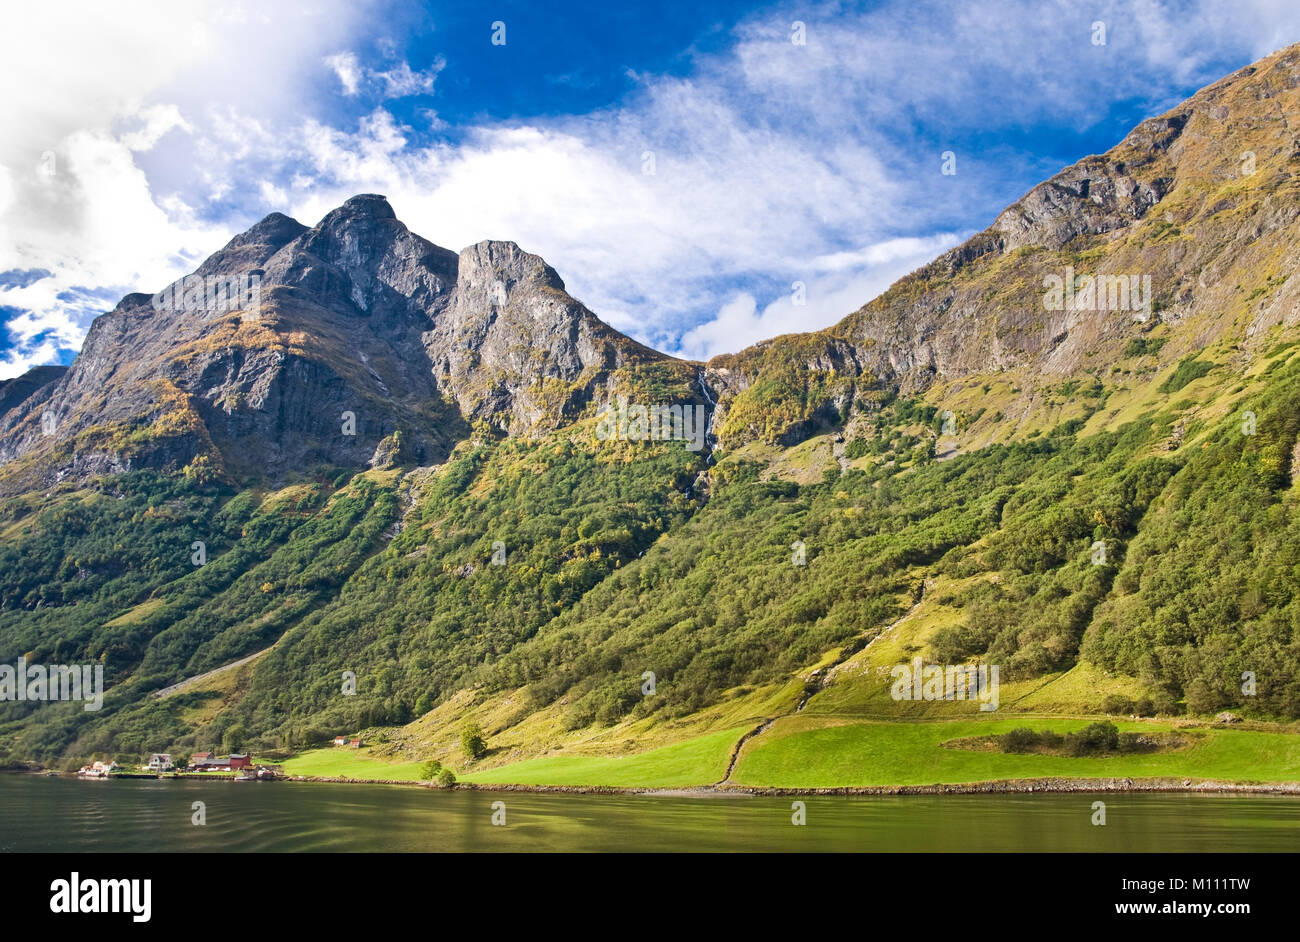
x,y
48,814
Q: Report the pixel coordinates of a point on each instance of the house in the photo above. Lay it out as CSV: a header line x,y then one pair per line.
x,y
98,769
239,762
207,762
160,762
340,740
356,744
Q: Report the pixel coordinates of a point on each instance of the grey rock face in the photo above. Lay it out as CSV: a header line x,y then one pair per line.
x,y
13,392
324,362
357,329
512,346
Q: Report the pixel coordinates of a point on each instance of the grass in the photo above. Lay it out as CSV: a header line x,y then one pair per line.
x,y
807,752
334,762
137,614
699,761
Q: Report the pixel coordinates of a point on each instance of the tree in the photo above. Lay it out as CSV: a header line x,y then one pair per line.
x,y
429,770
472,742
447,778
235,735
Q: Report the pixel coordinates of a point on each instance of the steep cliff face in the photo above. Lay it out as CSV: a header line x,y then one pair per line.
x,y
13,392
1189,224
256,383
514,348
288,348
296,347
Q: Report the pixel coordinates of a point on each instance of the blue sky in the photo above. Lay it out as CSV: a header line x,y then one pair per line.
x,y
681,165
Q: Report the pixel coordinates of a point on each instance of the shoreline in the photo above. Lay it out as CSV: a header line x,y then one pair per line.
x,y
991,787
995,786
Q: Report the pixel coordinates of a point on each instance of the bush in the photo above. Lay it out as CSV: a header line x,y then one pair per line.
x,y
446,778
429,770
472,742
1164,702
1096,737
1117,704
1020,739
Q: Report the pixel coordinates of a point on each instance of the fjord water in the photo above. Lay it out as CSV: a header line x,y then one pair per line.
x,y
68,815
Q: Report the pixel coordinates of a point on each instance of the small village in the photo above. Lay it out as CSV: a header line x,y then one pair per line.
x,y
234,767
200,765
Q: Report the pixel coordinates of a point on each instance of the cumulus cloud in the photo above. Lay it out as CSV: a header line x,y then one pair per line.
x,y
91,95
839,283
682,215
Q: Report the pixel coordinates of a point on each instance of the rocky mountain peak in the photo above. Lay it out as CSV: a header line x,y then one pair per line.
x,y
360,256
515,348
356,316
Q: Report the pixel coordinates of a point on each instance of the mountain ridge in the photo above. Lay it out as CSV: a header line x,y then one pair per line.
x,y
503,339
1100,499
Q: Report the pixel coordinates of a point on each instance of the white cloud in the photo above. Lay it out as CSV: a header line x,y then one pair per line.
x,y
347,67
89,94
174,126
397,82
843,283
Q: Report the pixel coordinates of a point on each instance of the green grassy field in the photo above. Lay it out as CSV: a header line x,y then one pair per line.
x,y
699,761
805,753
825,752
350,763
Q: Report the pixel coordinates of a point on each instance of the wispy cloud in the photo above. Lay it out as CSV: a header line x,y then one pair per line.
x,y
395,82
683,215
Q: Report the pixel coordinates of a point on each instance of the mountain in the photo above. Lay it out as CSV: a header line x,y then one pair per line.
x,y
1068,447
357,315
1200,202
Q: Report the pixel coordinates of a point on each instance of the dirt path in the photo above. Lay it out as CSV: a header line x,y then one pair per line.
x,y
817,682
735,750
199,678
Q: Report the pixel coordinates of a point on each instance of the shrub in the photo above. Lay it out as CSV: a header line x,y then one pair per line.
x,y
447,778
1117,704
1129,742
1162,701
472,742
1020,739
1096,737
1189,370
